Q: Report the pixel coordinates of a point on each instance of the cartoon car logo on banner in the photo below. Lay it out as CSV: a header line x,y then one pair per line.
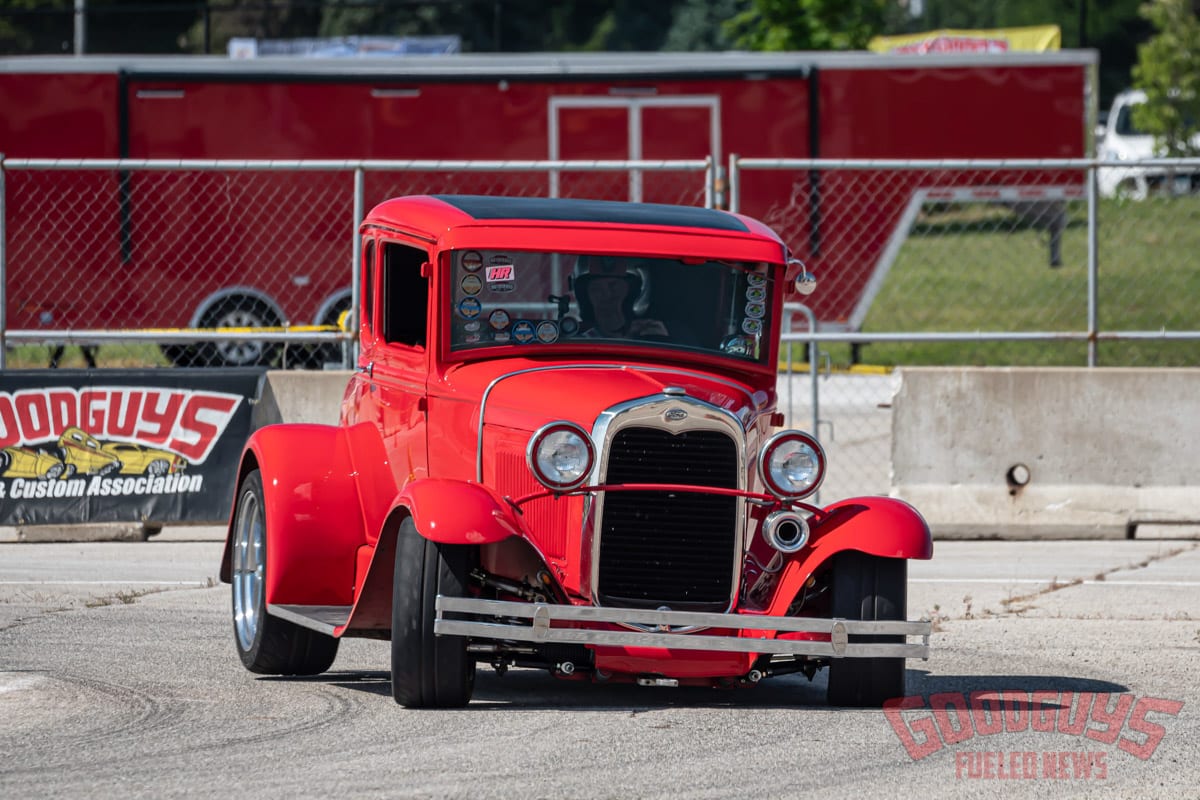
x,y
25,462
138,460
79,452
84,454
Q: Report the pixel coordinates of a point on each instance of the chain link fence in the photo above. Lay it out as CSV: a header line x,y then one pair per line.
x,y
1055,263
218,263
973,264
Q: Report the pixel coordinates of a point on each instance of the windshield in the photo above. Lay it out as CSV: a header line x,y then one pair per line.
x,y
1125,126
539,299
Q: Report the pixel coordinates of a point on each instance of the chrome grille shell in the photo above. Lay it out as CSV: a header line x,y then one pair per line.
x,y
663,552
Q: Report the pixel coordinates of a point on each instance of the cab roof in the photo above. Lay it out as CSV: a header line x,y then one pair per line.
x,y
434,216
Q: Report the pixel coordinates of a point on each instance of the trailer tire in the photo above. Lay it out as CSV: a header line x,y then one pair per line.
x,y
266,645
428,671
238,311
867,587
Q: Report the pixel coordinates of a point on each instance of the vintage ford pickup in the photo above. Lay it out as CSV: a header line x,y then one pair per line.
x,y
561,449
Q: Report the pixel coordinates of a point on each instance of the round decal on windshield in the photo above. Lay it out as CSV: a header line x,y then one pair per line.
x,y
756,294
754,279
756,310
547,332
752,326
498,319
522,331
469,307
472,261
471,284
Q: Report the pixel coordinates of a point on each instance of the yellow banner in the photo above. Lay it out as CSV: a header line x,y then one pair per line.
x,y
996,40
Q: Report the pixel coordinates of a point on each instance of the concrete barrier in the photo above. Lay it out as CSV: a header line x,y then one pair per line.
x,y
1048,452
295,396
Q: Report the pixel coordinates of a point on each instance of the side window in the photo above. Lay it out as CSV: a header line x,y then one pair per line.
x,y
368,285
405,295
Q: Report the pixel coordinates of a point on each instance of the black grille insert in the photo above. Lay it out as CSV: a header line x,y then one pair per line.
x,y
669,548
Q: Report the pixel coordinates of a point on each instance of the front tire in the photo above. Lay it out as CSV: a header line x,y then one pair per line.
x,y
428,671
867,587
267,645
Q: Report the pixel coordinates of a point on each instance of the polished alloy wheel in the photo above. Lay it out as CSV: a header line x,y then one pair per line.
x,y
248,569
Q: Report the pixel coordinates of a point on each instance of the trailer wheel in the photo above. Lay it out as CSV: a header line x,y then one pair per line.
x,y
428,671
267,645
867,587
238,312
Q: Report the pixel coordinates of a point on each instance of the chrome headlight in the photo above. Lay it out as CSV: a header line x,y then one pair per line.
x,y
560,455
792,465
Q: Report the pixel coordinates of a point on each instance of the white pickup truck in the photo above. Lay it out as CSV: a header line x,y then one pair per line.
x,y
1121,141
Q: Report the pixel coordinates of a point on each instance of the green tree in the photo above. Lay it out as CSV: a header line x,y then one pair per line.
x,y
808,24
698,24
1168,70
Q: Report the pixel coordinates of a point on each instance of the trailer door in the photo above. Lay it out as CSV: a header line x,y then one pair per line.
x,y
633,128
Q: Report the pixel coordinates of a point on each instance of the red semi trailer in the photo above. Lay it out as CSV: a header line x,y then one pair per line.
x,y
178,249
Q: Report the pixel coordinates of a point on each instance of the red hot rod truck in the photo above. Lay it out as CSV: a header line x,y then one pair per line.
x,y
560,450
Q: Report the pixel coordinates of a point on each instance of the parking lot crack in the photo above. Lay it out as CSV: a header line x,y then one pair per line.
x,y
1019,604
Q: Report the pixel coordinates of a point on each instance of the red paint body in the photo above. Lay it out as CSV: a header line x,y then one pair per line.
x,y
603,106
408,443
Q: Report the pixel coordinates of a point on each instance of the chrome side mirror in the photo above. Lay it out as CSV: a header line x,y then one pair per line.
x,y
805,281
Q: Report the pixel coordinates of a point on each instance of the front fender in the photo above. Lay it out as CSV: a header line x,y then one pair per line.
x,y
458,512
878,526
313,517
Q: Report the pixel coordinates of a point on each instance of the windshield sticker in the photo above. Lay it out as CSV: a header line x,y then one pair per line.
x,y
500,260
522,331
756,310
498,319
752,326
472,338
547,332
500,337
472,261
471,326
756,294
469,307
471,284
504,272
754,279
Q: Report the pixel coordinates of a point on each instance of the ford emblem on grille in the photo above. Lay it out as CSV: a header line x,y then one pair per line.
x,y
675,415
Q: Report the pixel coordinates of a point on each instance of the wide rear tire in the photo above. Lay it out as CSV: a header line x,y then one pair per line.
x,y
267,645
867,587
428,671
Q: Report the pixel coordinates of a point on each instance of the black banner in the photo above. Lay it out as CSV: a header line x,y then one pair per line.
x,y
122,445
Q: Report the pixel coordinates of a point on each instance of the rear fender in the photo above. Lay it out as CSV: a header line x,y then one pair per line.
x,y
878,526
459,512
313,516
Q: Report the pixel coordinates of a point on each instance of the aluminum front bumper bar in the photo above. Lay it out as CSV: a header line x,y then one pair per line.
x,y
502,626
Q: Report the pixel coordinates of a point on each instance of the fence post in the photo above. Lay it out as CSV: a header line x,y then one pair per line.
x,y
350,350
734,179
1093,263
